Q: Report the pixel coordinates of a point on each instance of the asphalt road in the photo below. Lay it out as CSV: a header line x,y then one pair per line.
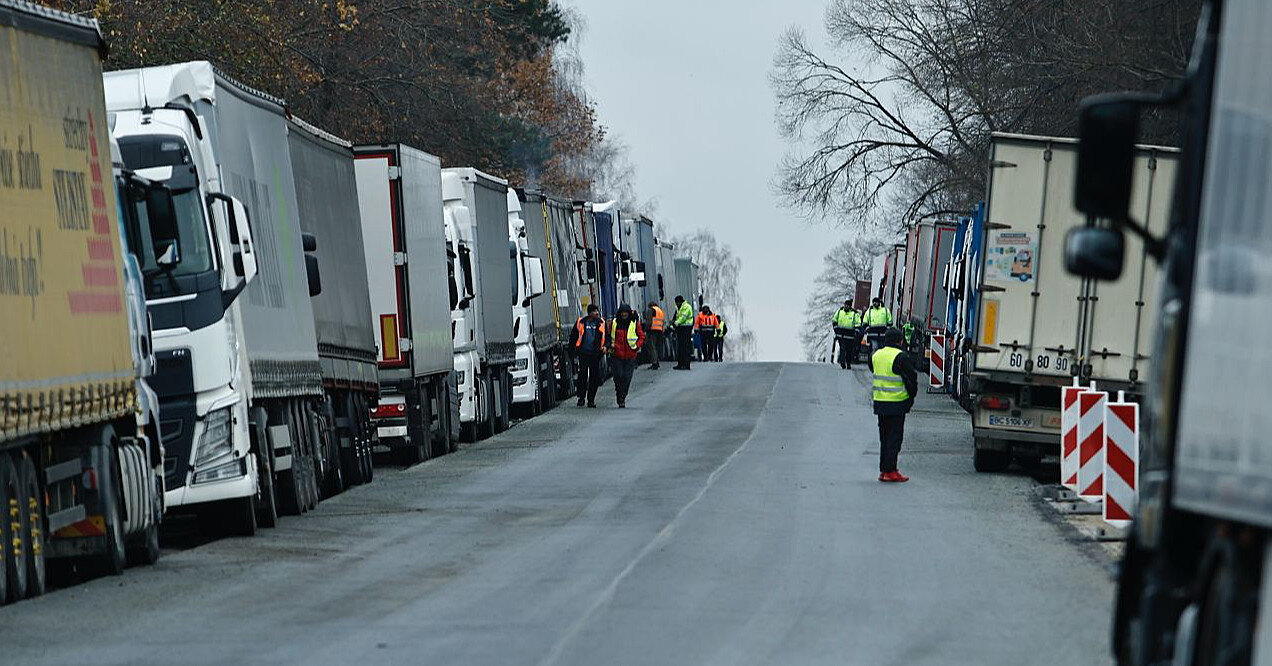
x,y
730,515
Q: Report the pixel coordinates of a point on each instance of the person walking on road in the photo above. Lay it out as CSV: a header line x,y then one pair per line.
x,y
627,337
878,319
657,323
684,333
845,324
588,341
896,382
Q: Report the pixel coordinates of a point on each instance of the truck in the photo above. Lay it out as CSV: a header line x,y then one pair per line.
x,y
80,454
327,196
668,289
241,400
549,226
415,281
586,256
638,243
963,281
924,292
862,294
1037,327
605,218
1193,579
476,209
533,327
687,282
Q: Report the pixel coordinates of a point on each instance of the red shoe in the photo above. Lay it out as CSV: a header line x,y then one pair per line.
x,y
898,477
885,476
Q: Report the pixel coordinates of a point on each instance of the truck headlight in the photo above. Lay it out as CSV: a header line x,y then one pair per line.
x,y
227,470
522,364
216,441
520,381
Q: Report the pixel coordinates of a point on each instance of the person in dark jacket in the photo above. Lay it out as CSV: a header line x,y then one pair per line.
x,y
896,382
627,337
587,339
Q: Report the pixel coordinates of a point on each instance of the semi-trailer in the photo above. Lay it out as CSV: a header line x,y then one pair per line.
x,y
1194,579
476,206
327,196
1037,327
80,457
414,282
550,228
925,293
533,328
642,284
240,378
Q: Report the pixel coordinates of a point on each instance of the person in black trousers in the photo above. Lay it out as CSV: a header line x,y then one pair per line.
x,y
587,339
896,382
683,322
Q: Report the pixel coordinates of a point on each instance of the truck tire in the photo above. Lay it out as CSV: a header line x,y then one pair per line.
x,y
114,558
987,460
32,506
440,437
503,401
485,416
8,557
267,505
289,484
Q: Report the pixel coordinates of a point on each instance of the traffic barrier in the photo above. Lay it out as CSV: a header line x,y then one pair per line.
x,y
936,360
1121,460
1069,434
1091,444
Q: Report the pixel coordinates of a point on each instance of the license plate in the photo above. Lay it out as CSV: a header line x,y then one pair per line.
x,y
1011,421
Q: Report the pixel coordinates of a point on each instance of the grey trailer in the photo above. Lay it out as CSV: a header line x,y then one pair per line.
x,y
327,196
548,231
411,295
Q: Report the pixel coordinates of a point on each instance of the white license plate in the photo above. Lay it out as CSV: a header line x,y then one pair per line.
x,y
1011,421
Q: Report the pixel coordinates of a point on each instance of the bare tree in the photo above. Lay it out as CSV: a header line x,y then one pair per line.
x,y
718,275
905,130
847,262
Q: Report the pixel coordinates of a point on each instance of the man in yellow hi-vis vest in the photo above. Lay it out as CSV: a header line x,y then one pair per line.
x,y
895,384
684,333
877,318
845,324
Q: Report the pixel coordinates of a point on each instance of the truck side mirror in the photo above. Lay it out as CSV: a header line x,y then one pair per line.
x,y
311,272
239,247
309,242
1107,128
534,271
1094,252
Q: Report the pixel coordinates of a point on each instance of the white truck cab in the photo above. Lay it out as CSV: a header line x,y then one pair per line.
x,y
529,278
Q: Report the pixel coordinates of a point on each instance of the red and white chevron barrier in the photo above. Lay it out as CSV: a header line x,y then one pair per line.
x,y
936,361
1069,434
1091,445
1121,461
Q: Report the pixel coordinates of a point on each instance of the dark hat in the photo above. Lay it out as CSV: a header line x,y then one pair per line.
x,y
624,309
592,308
893,336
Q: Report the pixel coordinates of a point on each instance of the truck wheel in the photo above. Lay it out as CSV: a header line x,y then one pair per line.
x,y
8,558
485,409
1227,616
32,505
440,438
144,548
407,455
115,558
267,505
988,460
468,432
502,390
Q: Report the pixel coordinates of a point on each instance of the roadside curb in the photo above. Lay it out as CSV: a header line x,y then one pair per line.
x,y
1081,525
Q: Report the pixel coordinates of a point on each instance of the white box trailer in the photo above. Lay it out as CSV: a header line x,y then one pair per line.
x,y
411,293
1038,327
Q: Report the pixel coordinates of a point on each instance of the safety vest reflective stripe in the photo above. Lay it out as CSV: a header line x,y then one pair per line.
x,y
631,333
888,385
578,326
656,322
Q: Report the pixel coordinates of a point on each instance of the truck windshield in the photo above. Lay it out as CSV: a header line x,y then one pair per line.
x,y
191,231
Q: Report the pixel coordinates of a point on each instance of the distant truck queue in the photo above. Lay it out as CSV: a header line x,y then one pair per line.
x,y
270,304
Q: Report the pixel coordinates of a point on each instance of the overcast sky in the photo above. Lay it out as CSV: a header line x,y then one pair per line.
x,y
685,84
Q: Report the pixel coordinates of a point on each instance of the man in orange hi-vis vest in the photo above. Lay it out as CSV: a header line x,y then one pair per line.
x,y
587,339
657,324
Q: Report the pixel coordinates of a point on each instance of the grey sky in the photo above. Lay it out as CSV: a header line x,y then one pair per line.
x,y
685,84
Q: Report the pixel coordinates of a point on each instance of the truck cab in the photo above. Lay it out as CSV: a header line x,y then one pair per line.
x,y
528,273
194,273
464,316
